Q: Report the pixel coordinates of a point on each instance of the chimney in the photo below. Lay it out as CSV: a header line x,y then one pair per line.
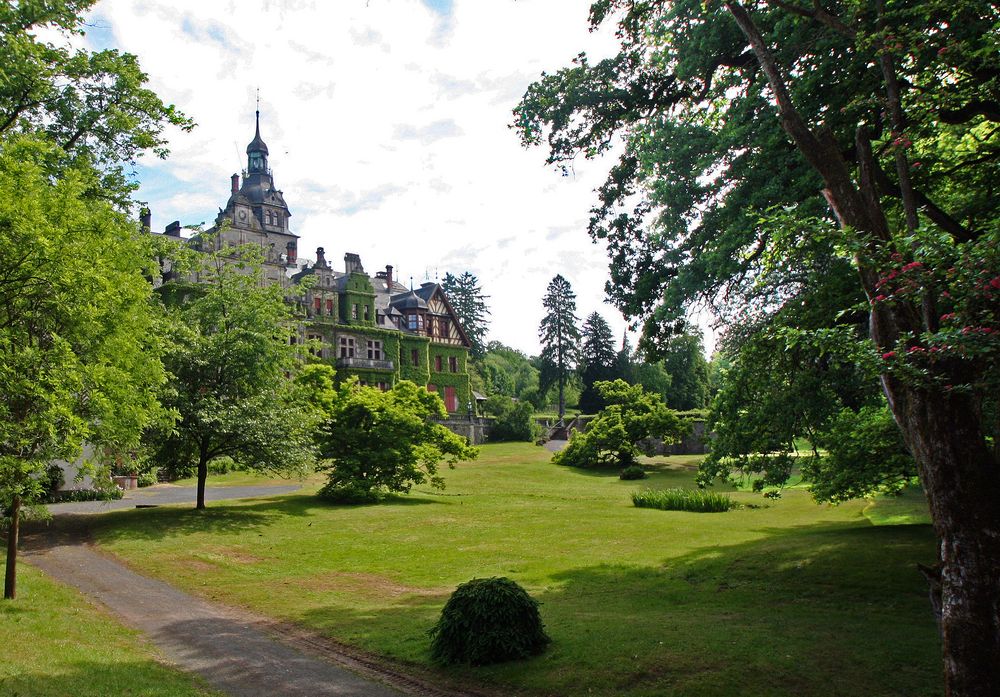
x,y
388,276
145,219
352,263
236,183
290,253
174,229
320,259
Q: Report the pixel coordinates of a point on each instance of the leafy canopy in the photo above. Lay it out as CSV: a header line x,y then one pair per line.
x,y
78,334
376,443
623,429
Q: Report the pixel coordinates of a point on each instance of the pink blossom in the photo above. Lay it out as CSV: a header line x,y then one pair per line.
x,y
888,354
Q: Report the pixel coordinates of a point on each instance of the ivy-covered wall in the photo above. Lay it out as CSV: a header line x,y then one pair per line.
x,y
396,347
419,373
359,291
445,378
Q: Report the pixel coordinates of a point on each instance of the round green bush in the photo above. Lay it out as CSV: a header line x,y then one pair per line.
x,y
488,620
633,472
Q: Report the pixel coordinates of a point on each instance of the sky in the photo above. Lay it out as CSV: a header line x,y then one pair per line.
x,y
387,123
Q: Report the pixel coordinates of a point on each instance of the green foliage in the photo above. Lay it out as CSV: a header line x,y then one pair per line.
x,y
486,621
684,361
92,105
692,500
467,300
820,385
623,429
376,443
632,472
559,336
864,455
514,421
598,361
81,358
110,494
229,358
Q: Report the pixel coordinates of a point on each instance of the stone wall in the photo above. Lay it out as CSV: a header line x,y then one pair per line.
x,y
475,430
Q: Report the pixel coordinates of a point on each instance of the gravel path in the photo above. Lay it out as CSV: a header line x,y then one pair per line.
x,y
164,494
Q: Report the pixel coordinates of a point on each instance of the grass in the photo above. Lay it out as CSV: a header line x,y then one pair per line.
x,y
56,643
784,598
693,500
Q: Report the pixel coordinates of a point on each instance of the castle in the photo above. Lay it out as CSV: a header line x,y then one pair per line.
x,y
371,327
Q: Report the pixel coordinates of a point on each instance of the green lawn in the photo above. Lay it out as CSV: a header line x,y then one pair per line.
x,y
57,643
783,597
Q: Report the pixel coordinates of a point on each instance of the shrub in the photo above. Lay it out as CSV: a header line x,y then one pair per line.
x,y
488,620
112,494
633,472
514,420
693,500
149,477
623,429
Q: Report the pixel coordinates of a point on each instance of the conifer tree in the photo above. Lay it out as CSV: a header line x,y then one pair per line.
x,y
467,300
559,335
598,361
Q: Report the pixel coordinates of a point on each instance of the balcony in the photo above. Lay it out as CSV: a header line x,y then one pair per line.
x,y
365,364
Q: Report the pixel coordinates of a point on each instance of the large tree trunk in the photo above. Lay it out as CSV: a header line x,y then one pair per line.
x,y
10,576
202,478
962,481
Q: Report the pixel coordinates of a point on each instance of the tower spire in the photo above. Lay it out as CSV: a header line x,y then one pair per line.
x,y
257,132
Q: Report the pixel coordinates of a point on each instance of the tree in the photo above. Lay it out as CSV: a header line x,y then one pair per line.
x,y
623,429
512,420
730,113
598,360
684,361
81,359
378,442
560,337
469,303
229,358
92,104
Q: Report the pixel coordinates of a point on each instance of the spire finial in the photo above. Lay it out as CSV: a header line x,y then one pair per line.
x,y
258,113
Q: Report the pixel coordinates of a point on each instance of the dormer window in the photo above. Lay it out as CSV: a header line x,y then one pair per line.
x,y
256,162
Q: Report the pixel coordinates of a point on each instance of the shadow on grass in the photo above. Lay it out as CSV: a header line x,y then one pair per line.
x,y
221,517
99,679
827,609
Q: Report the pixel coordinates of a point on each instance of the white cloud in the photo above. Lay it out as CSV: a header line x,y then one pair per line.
x,y
387,124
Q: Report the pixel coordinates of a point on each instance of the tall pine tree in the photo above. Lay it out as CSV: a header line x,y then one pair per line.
x,y
469,303
559,335
598,361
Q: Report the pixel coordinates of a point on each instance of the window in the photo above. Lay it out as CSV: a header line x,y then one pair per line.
x,y
383,386
329,307
437,364
354,311
366,312
316,350
453,364
415,356
293,340
450,399
432,387
375,350
443,328
411,321
346,347
317,304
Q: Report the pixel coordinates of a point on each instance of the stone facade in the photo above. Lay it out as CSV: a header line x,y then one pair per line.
x,y
371,327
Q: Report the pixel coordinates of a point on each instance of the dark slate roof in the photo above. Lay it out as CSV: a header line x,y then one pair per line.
x,y
257,144
408,301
